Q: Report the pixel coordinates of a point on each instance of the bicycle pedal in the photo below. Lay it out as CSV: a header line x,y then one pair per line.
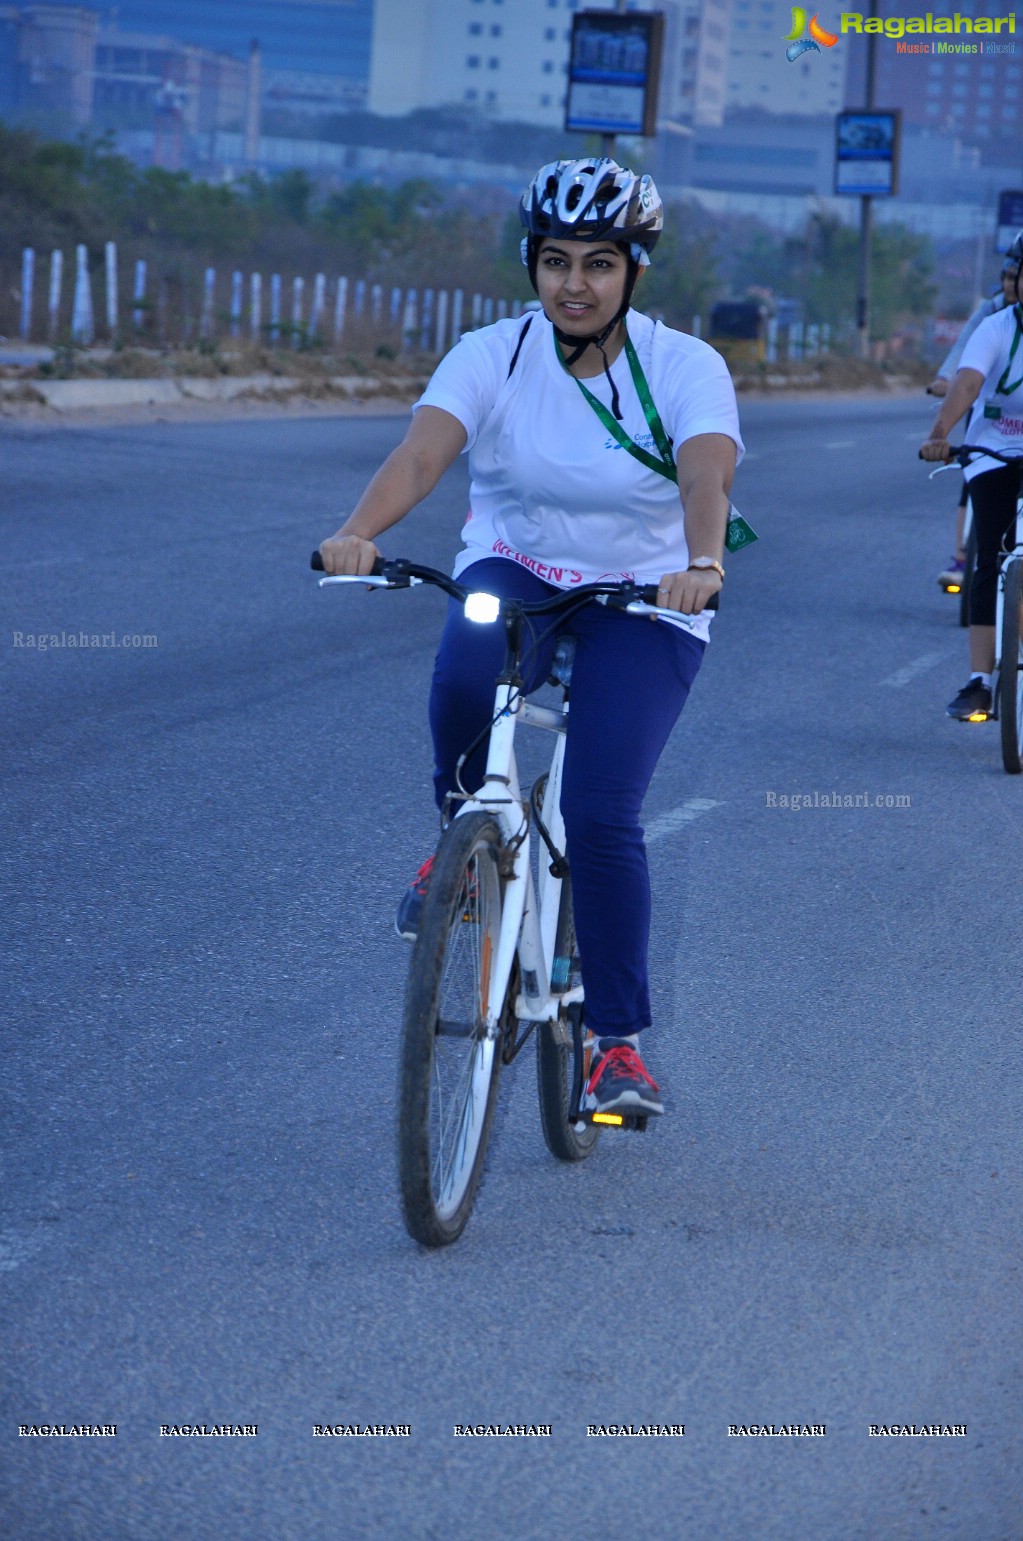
x,y
637,1121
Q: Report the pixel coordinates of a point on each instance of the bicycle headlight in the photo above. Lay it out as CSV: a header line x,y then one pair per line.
x,y
484,608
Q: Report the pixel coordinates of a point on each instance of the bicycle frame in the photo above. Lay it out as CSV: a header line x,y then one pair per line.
x,y
529,916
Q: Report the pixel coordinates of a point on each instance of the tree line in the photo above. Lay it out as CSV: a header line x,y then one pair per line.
x,y
56,194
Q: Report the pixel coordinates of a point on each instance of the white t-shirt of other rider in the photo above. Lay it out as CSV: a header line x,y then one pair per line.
x,y
551,488
988,353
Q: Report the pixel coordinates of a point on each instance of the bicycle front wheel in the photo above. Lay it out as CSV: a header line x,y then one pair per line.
x,y
555,1060
449,1063
1010,678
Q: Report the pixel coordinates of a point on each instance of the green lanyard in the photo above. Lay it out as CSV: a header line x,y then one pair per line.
x,y
665,465
1003,388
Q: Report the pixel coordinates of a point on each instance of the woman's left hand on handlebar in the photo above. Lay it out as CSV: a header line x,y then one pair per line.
x,y
349,554
688,591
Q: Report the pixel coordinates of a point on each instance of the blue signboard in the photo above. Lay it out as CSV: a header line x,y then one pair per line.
x,y
613,73
867,153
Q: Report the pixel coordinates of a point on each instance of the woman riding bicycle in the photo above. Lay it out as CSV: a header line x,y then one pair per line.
x,y
601,445
988,381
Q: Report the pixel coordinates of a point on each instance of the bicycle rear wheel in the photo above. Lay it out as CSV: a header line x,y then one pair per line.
x,y
449,1064
1010,678
555,1060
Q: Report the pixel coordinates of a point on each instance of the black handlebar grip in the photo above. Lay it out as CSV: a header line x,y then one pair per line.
x,y
650,591
316,563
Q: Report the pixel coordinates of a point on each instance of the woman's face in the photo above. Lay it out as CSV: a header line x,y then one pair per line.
x,y
1009,285
580,283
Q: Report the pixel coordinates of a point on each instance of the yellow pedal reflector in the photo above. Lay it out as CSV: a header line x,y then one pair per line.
x,y
977,717
608,1118
954,588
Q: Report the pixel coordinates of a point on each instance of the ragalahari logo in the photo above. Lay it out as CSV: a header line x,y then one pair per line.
x,y
798,44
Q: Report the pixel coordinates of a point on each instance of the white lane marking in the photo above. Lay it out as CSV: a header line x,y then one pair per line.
x,y
678,818
841,444
917,666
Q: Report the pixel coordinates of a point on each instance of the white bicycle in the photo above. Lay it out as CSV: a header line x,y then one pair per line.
x,y
1007,696
495,952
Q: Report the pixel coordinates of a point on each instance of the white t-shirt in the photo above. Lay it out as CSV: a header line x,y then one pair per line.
x,y
550,487
988,353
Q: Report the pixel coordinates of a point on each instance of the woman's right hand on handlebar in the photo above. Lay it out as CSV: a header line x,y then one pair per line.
x,y
936,449
348,554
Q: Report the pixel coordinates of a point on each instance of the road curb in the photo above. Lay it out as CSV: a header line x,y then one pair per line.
x,y
78,395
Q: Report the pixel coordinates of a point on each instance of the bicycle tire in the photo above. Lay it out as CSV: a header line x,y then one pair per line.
x,y
1010,677
969,568
449,1067
555,1061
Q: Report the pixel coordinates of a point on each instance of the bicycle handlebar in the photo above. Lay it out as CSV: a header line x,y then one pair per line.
x,y
401,573
962,452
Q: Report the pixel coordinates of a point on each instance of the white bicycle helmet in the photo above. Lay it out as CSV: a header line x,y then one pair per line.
x,y
593,200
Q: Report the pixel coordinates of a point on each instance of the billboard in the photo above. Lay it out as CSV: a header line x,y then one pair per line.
x,y
613,72
867,153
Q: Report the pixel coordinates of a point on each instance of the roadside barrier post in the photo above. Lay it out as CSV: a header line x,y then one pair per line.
x,y
56,283
456,315
297,305
409,326
376,303
441,333
237,286
28,273
340,304
139,294
255,306
275,307
81,316
426,319
319,300
209,285
360,298
110,260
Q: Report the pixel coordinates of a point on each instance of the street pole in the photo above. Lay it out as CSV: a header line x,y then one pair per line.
x,y
866,213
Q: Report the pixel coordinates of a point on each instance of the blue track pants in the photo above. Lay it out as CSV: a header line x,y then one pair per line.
x,y
630,681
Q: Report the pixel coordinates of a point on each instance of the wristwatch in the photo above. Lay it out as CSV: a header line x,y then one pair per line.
x,y
706,562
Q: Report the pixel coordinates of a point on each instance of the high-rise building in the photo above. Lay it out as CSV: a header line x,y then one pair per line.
x,y
760,75
56,52
315,53
509,58
694,68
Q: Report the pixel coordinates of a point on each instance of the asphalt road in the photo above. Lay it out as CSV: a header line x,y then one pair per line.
x,y
205,838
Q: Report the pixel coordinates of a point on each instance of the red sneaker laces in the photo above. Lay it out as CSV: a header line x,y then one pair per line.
x,y
621,1063
422,877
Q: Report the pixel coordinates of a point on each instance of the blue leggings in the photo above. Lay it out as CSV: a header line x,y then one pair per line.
x,y
630,681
